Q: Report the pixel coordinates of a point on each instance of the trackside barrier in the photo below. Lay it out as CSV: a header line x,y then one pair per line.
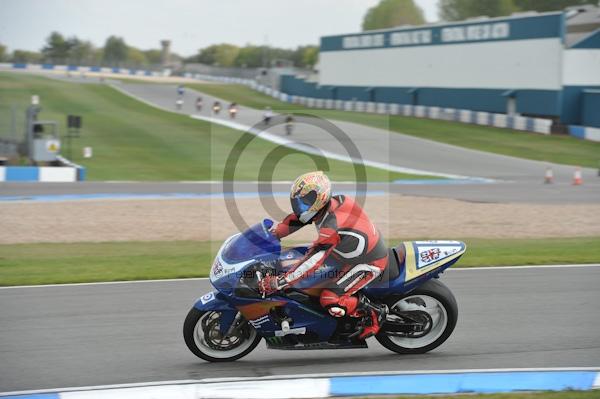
x,y
67,173
339,386
536,125
79,69
585,133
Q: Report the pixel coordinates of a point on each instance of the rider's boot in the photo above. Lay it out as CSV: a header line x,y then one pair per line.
x,y
373,315
372,328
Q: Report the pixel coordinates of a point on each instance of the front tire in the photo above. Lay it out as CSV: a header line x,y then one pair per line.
x,y
438,301
200,332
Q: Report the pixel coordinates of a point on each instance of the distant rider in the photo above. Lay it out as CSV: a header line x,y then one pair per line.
x,y
199,104
289,124
217,107
267,115
347,241
233,108
179,100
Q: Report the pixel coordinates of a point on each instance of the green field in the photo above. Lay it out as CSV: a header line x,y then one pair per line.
x,y
134,141
26,264
558,149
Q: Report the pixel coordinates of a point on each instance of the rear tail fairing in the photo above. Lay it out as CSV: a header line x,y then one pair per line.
x,y
424,260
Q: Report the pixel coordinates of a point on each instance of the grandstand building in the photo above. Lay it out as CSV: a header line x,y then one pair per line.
x,y
528,64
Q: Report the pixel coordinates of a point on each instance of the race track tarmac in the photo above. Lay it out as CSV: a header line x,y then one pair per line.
x,y
65,336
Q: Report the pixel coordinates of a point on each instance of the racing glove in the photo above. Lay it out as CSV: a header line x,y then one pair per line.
x,y
270,285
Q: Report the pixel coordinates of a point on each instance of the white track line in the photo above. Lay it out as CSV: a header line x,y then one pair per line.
x,y
295,376
462,269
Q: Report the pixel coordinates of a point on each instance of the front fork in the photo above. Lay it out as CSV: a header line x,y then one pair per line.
x,y
234,325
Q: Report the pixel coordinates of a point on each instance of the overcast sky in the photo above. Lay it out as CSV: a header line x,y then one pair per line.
x,y
190,24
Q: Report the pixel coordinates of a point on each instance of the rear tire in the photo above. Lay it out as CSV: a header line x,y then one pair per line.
x,y
195,336
441,306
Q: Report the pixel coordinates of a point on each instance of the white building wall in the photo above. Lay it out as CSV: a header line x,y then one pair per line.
x,y
522,64
581,67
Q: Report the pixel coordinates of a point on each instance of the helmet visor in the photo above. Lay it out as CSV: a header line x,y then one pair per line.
x,y
301,205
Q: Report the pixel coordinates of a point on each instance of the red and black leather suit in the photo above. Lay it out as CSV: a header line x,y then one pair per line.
x,y
347,240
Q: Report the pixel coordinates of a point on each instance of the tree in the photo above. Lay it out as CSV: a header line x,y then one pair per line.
x,y
457,10
218,54
250,56
96,56
136,58
80,52
305,56
26,56
56,50
390,13
226,54
2,52
153,56
115,51
550,5
310,56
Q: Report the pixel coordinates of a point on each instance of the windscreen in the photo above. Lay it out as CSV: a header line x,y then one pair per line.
x,y
254,243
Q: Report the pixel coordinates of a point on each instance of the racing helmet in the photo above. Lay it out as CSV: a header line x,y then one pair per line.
x,y
310,193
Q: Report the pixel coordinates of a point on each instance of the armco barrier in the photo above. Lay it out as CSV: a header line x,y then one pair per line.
x,y
67,173
418,383
78,69
585,133
57,174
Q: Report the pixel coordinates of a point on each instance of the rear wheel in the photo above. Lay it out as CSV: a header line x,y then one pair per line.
x,y
436,307
201,331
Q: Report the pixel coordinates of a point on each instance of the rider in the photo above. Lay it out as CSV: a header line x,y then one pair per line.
x,y
267,115
347,240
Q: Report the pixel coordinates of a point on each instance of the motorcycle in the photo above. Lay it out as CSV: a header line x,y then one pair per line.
x,y
228,323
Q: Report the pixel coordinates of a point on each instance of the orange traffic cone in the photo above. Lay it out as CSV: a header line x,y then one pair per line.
x,y
549,176
577,179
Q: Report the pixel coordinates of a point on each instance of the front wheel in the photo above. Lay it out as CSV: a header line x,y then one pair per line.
x,y
203,337
437,305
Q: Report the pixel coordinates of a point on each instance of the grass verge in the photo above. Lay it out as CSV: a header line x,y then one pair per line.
x,y
134,141
557,149
30,264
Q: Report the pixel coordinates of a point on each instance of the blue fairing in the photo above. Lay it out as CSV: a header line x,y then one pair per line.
x,y
215,301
